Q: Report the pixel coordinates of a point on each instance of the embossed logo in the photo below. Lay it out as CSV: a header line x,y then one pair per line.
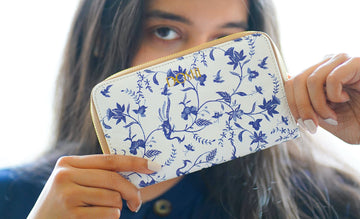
x,y
182,77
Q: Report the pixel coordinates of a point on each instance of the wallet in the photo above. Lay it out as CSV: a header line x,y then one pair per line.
x,y
197,108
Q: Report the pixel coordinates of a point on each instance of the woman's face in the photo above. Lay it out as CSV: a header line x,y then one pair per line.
x,y
175,25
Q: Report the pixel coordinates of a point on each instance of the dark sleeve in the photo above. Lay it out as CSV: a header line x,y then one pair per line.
x,y
17,196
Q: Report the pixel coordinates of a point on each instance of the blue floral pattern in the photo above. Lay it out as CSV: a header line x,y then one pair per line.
x,y
227,111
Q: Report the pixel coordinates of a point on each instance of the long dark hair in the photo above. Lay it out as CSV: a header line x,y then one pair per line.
x,y
281,182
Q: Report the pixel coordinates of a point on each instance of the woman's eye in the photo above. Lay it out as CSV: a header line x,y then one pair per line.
x,y
166,33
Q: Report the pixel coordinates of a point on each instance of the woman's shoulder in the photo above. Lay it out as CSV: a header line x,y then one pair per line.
x,y
17,195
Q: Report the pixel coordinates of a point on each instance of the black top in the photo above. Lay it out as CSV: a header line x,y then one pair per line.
x,y
187,199
184,200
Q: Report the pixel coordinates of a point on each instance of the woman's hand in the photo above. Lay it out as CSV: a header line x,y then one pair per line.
x,y
328,94
90,187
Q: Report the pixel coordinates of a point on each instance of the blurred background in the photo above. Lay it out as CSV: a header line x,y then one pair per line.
x,y
33,36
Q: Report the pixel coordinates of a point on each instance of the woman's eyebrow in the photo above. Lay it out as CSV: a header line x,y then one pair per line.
x,y
167,15
171,16
240,25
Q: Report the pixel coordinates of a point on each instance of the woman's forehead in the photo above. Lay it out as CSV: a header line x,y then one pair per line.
x,y
200,11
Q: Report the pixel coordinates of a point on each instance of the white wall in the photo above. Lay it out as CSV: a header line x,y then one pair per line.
x,y
33,35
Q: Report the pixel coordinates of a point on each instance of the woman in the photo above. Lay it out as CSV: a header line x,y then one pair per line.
x,y
281,182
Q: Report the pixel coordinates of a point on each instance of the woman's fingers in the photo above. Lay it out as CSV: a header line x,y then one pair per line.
x,y
346,74
100,171
290,94
318,94
110,181
90,187
316,82
111,162
299,100
86,197
97,212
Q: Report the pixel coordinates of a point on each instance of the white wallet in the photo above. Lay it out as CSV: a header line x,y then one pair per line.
x,y
196,108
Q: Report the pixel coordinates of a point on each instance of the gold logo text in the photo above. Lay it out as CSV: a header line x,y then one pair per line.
x,y
185,76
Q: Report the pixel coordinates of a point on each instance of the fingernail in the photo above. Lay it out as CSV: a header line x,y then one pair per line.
x,y
310,126
119,212
331,121
154,166
138,208
300,122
